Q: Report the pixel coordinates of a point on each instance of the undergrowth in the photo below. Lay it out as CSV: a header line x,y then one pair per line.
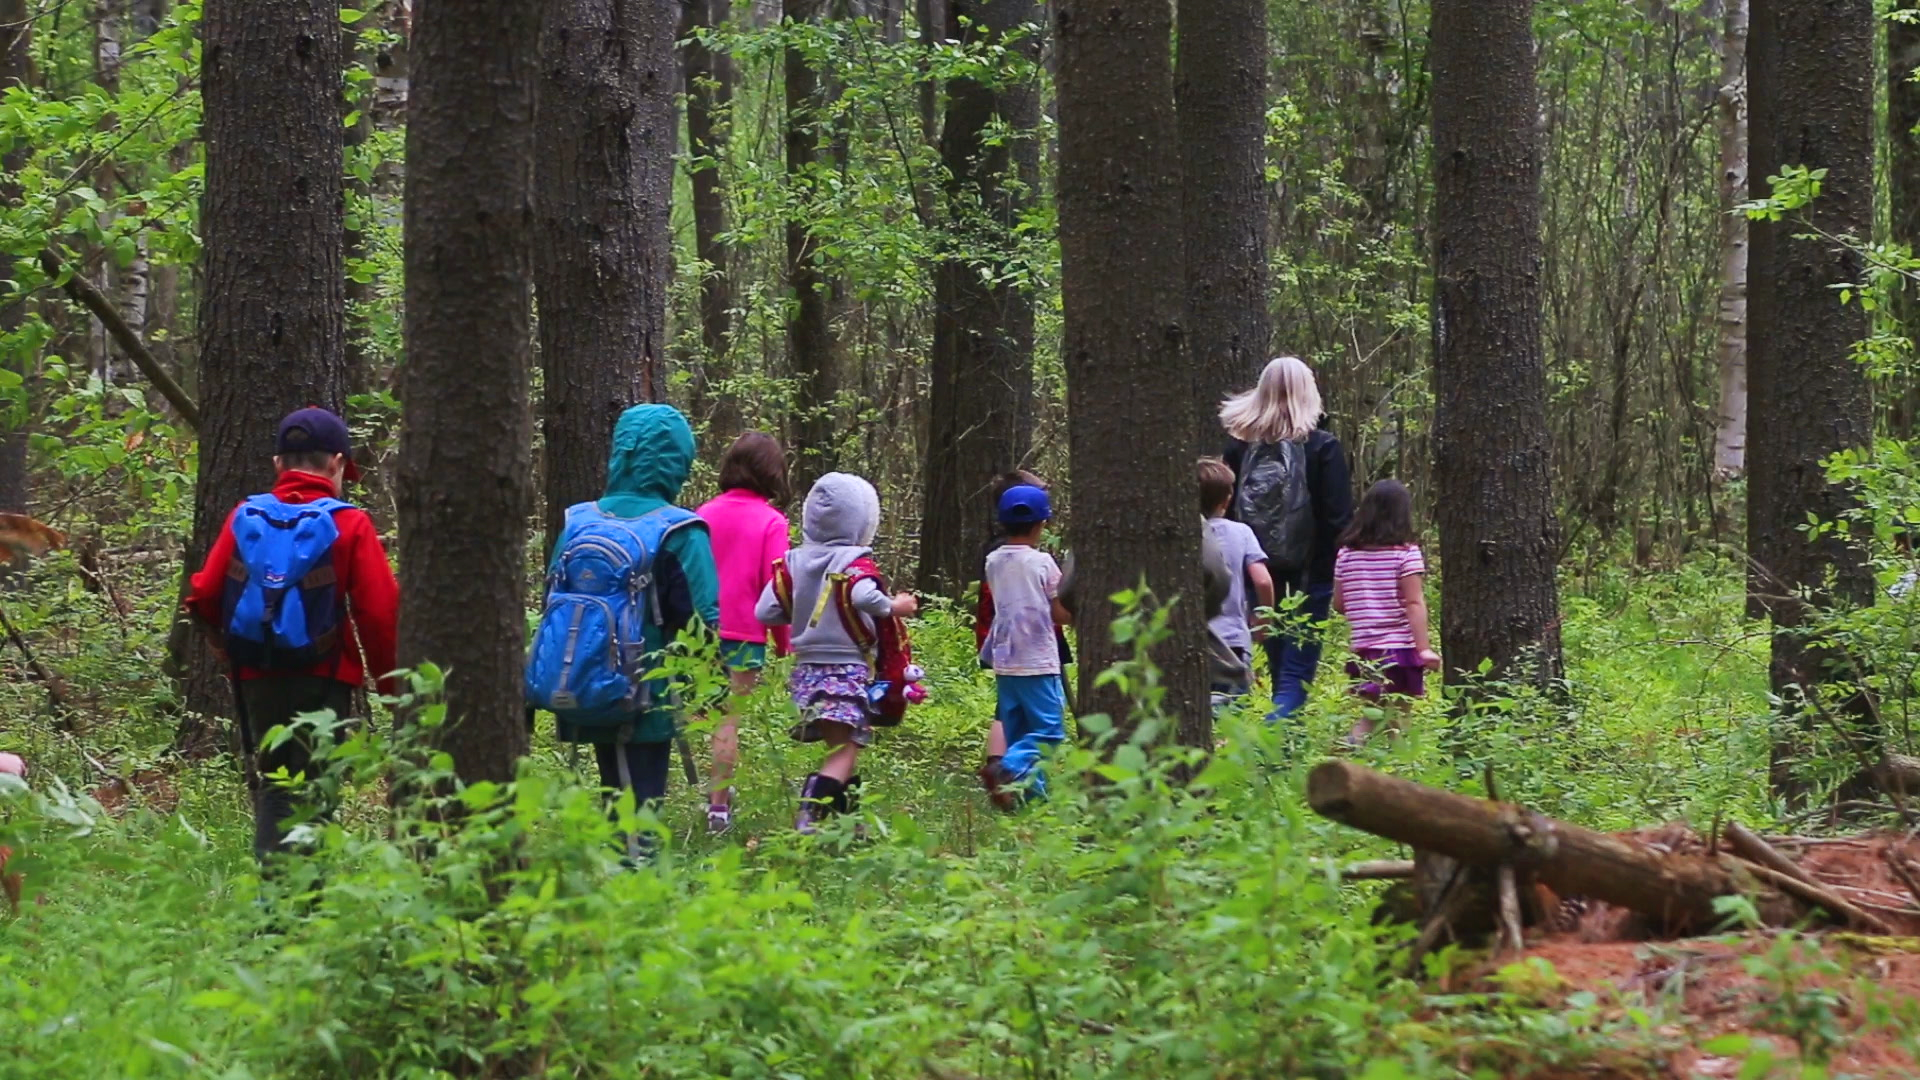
x,y
1124,930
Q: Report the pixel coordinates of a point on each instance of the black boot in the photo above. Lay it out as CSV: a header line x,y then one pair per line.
x,y
820,797
850,804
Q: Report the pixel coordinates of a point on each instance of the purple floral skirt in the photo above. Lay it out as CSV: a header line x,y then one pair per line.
x,y
1383,672
831,694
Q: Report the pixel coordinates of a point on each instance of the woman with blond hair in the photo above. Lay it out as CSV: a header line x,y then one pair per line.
x,y
1291,487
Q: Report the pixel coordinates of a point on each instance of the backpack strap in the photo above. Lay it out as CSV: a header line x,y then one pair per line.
x,y
864,634
783,586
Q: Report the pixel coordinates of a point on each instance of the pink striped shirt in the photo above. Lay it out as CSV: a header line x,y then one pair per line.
x,y
1368,580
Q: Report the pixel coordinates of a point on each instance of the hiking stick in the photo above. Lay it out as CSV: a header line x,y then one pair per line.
x,y
686,760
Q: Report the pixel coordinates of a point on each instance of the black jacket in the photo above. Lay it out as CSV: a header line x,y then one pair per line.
x,y
1331,487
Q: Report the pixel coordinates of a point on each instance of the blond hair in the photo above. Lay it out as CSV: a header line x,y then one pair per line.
x,y
1284,406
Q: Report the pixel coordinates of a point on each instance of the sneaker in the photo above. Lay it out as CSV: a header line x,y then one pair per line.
x,y
719,820
1001,796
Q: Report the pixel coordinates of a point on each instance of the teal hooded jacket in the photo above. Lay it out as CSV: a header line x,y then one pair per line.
x,y
651,459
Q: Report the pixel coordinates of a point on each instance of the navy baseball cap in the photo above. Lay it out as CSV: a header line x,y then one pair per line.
x,y
1024,504
314,430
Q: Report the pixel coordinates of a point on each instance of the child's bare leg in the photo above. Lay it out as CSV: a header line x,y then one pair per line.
x,y
726,738
843,757
996,740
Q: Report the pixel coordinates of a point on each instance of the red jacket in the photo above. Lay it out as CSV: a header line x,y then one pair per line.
x,y
359,561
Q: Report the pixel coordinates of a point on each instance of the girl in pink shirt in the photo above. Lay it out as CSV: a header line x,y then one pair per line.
x,y
749,533
1379,582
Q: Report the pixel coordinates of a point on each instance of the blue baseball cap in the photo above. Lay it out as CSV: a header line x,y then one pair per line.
x,y
1024,504
314,430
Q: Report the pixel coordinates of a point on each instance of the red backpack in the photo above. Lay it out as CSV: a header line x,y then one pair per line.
x,y
889,652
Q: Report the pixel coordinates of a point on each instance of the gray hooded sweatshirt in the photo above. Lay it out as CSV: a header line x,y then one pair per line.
x,y
836,527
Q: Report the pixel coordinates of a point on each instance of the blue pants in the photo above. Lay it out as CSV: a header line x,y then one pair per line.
x,y
1294,658
1033,711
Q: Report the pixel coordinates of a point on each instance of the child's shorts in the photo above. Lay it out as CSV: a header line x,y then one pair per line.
x,y
743,655
1388,672
831,693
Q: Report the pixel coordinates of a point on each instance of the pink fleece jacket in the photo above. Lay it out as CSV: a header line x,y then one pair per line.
x,y
748,534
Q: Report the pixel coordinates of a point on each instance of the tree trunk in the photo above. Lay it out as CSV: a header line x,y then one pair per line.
x,y
466,439
709,88
1730,431
1811,76
980,393
1492,466
811,436
1123,288
604,186
272,311
1222,94
1903,178
16,68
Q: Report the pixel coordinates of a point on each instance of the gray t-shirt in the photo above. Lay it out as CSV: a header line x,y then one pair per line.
x,y
1241,550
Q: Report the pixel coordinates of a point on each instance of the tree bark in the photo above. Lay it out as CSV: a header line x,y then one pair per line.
x,y
809,329
603,148
980,392
466,437
709,104
272,311
1903,179
1811,77
1492,466
1124,298
1730,431
1222,95
16,69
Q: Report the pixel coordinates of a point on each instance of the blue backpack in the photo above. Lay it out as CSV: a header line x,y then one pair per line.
x,y
282,603
602,620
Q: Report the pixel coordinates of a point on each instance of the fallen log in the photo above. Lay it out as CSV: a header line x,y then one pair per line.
x,y
1378,870
1675,891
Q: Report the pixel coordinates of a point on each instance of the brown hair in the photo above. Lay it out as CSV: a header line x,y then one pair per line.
x,y
1009,480
1216,484
757,463
1384,519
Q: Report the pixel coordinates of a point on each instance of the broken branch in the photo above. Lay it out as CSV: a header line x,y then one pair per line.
x,y
84,294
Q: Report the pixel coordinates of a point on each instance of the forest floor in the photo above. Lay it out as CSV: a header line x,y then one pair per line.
x,y
1131,934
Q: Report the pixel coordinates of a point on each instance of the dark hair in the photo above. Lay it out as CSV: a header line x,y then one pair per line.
x,y
1023,530
1216,484
756,462
308,461
1008,480
1383,519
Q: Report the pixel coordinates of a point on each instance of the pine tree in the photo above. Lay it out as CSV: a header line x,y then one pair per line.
x,y
1222,96
16,69
466,440
273,298
1811,72
810,351
603,148
980,393
1123,285
1492,465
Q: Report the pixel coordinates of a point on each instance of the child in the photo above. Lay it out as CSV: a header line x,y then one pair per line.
x,y
749,533
1237,624
989,771
1021,648
1378,584
831,675
652,454
346,588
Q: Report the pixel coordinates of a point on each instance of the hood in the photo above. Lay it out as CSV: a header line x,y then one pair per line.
x,y
652,453
842,510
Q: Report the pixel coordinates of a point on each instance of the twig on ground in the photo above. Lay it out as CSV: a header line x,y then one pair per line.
x,y
1378,870
1817,896
56,690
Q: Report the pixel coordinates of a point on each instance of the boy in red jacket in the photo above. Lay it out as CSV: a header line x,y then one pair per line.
x,y
313,459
